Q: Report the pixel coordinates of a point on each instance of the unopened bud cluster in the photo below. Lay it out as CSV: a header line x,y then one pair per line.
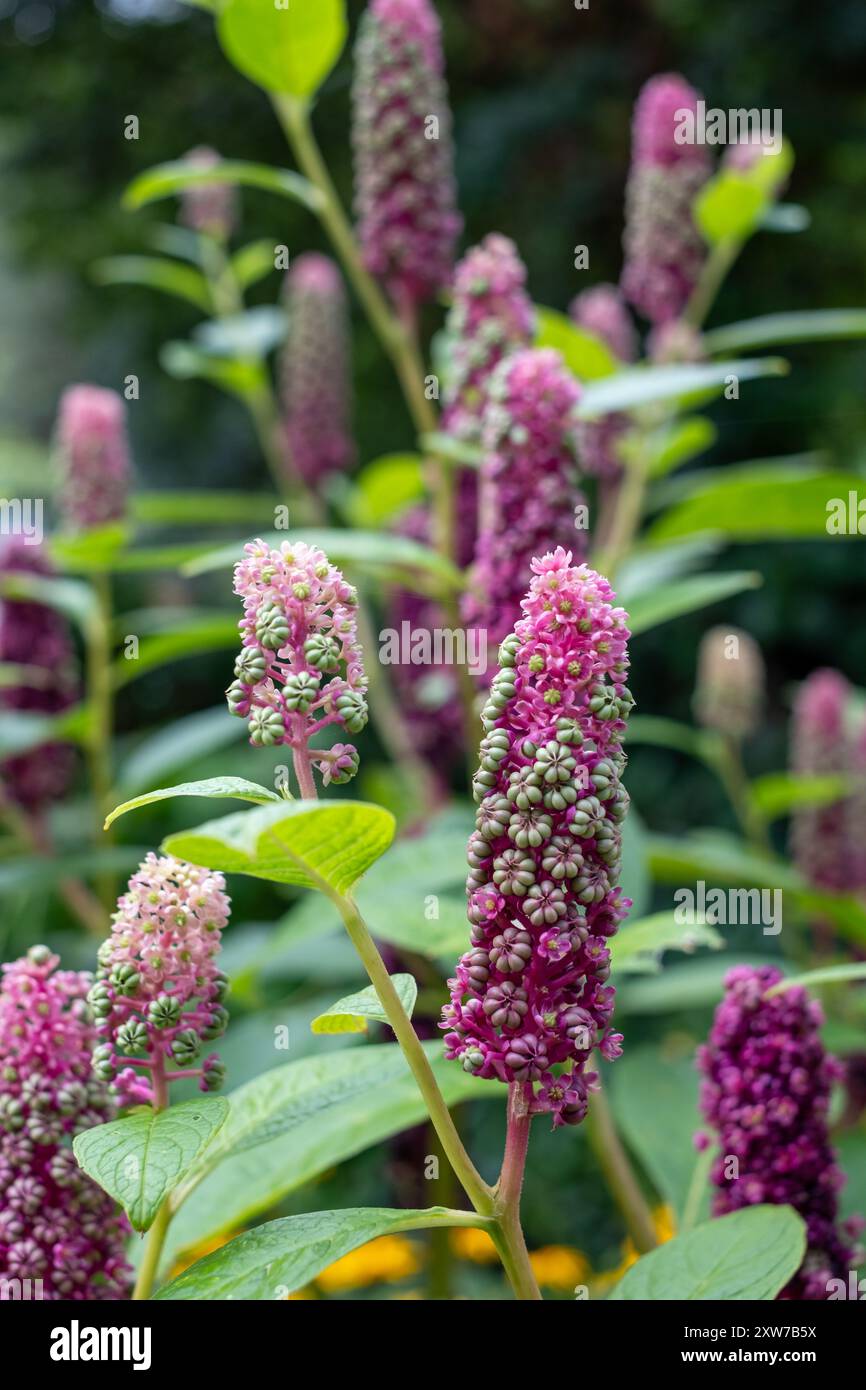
x,y
158,994
94,462
530,999
300,668
56,1225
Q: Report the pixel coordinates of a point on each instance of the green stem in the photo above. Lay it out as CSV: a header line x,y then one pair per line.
x,y
101,700
619,1174
474,1185
155,1238
395,335
716,267
732,773
509,1239
626,517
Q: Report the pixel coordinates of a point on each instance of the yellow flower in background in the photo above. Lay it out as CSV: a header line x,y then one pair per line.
x,y
468,1243
664,1223
198,1252
559,1267
386,1260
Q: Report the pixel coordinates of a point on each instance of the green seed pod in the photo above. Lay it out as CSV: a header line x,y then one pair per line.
x,y
238,698
272,628
352,708
132,1038
164,1011
300,690
216,1027
251,665
345,774
125,979
322,652
186,1047
266,727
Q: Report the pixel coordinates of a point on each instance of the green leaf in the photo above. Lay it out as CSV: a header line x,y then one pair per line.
x,y
252,263
585,354
20,731
253,333
178,744
91,552
165,180
777,793
281,1256
774,330
677,443
452,450
748,1255
786,218
394,558
71,597
385,487
156,273
187,361
202,508
670,733
208,633
351,1014
826,975
684,986
638,946
639,386
324,845
696,591
140,1159
729,207
319,1118
635,876
288,48
777,504
215,787
654,1097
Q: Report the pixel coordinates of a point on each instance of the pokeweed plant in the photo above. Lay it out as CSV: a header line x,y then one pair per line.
x,y
531,999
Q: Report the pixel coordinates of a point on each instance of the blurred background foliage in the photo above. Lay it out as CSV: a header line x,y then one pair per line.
x,y
542,96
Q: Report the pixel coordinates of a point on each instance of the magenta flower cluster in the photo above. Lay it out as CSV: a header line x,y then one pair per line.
x,y
55,1224
301,667
664,252
315,370
95,469
530,999
827,839
601,310
38,640
528,488
491,315
405,194
765,1094
158,993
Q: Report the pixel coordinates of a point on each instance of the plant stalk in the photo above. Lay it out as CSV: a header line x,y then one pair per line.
x,y
155,1238
619,1174
510,1240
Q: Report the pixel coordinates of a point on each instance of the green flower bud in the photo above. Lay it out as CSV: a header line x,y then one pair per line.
x,y
272,628
322,652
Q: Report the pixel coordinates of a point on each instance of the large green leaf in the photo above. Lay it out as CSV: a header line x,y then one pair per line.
x,y
748,1255
639,386
252,333
164,180
140,1159
236,788
655,606
677,443
729,207
683,986
777,793
395,558
320,1119
315,844
385,487
584,353
156,273
778,505
771,330
352,1013
639,945
655,1103
287,48
826,975
273,1260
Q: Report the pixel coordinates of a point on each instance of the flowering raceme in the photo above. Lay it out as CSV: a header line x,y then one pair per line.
x,y
158,992
95,470
528,489
315,370
821,835
766,1093
405,195
729,694
208,207
300,668
531,993
55,1224
664,252
37,639
491,315
602,311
